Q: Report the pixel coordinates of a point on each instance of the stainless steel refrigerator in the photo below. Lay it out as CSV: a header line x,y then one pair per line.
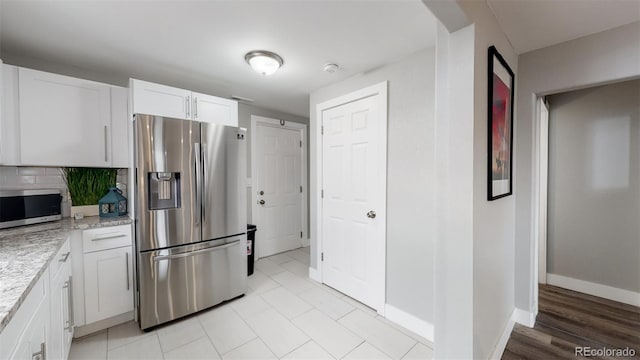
x,y
190,216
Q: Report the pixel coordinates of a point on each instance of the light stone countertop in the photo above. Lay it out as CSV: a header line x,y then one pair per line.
x,y
25,254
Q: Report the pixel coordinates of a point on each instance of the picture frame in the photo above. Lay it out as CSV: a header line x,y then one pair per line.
x,y
501,80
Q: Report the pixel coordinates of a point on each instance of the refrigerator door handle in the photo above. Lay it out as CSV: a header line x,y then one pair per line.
x,y
197,252
198,178
204,178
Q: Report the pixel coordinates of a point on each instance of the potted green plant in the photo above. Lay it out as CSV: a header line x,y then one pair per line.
x,y
86,186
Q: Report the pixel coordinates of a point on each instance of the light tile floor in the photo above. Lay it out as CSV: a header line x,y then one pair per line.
x,y
284,315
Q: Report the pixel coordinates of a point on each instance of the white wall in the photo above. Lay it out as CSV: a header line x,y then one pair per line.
x,y
493,221
410,177
597,59
453,328
475,244
594,185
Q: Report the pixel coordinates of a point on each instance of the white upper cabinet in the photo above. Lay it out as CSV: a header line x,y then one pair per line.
x,y
9,116
161,100
63,120
53,120
215,110
119,127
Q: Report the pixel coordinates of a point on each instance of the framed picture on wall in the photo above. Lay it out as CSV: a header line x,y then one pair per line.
x,y
500,115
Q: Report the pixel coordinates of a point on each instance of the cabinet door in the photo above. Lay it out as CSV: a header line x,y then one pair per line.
x,y
160,100
108,284
64,121
56,349
119,127
215,110
9,116
33,344
61,332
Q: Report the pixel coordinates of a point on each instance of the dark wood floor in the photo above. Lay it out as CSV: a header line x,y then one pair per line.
x,y
567,319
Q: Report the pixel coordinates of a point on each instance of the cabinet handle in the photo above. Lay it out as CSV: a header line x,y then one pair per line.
x,y
105,144
109,236
195,108
188,105
69,286
40,355
65,257
127,264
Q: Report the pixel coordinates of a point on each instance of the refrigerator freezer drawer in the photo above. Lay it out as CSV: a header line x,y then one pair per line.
x,y
180,281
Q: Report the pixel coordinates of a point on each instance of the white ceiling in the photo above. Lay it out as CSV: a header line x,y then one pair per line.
x,y
200,45
534,24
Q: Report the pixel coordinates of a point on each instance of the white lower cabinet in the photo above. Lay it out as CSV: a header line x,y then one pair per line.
x,y
36,331
108,284
103,285
90,279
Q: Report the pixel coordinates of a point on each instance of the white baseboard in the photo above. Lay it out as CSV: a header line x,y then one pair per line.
x,y
314,274
85,330
524,317
504,338
409,322
603,291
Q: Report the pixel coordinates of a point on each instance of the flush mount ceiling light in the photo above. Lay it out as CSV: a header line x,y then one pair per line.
x,y
330,67
264,62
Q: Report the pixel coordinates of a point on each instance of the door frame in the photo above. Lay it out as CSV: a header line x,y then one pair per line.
x,y
380,90
541,188
278,124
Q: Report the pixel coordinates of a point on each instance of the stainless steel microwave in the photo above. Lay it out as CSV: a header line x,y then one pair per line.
x,y
26,207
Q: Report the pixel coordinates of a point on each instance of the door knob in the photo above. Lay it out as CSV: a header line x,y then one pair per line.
x,y
371,214
261,202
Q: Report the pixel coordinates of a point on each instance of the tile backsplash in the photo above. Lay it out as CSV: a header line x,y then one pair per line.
x,y
13,177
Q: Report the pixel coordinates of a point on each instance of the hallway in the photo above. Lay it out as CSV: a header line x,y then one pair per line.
x,y
568,319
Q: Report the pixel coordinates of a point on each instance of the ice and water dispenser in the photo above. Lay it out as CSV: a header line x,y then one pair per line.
x,y
164,190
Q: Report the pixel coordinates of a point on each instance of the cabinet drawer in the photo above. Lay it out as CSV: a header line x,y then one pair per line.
x,y
61,258
106,238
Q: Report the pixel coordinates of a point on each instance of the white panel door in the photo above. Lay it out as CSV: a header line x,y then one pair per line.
x,y
278,185
352,241
64,121
160,100
215,110
108,283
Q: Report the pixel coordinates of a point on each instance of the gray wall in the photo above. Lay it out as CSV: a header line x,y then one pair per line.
x,y
410,177
244,120
594,185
